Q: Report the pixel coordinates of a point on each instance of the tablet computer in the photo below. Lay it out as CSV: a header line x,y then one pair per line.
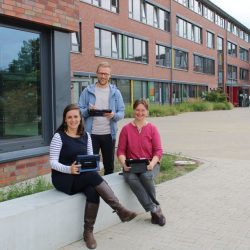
x,y
137,165
88,162
99,112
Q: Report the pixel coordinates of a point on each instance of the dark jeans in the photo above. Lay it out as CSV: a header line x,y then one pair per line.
x,y
86,183
107,146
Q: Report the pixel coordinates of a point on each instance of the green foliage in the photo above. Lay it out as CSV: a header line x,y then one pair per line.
x,y
215,96
26,188
192,105
168,169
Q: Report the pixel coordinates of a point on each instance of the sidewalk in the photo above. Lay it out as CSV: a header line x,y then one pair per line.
x,y
208,208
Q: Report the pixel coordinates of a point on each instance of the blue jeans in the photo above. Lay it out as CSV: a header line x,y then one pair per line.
x,y
143,187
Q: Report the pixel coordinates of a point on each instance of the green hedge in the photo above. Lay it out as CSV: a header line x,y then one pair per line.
x,y
156,110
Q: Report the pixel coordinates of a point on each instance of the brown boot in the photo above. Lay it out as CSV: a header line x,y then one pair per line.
x,y
109,197
158,217
90,214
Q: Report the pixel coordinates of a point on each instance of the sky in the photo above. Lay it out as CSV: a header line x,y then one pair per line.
x,y
239,9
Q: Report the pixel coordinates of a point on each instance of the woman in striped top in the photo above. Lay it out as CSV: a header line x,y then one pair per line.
x,y
71,140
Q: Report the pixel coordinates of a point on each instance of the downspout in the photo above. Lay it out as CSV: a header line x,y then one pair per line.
x,y
172,54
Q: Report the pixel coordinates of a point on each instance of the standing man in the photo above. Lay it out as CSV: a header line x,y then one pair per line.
x,y
103,128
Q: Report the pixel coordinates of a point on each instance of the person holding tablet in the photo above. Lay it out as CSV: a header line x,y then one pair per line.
x,y
140,140
69,141
102,107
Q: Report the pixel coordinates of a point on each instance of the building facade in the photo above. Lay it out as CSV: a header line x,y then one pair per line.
x,y
167,51
35,42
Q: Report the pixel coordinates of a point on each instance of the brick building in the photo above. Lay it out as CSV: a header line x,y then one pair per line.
x,y
163,50
35,40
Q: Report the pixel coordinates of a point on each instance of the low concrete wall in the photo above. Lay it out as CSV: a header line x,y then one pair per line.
x,y
51,219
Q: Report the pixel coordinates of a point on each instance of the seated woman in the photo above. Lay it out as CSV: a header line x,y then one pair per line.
x,y
141,139
71,140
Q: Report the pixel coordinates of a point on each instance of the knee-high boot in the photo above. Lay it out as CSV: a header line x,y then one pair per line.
x,y
109,197
91,210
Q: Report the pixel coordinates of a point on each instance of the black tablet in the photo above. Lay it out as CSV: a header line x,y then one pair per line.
x,y
99,112
137,165
88,162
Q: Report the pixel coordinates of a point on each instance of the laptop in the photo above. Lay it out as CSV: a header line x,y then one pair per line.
x,y
88,162
138,166
99,112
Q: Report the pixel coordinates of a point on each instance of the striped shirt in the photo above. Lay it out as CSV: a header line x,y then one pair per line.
x,y
55,149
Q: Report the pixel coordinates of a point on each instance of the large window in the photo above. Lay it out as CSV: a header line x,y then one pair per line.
x,y
188,30
231,49
244,74
163,55
111,5
204,65
120,46
21,122
180,59
152,15
210,40
244,54
231,74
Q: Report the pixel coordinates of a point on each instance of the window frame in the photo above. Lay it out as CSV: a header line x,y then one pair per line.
x,y
34,142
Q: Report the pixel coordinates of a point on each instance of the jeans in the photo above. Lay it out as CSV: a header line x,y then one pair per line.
x,y
107,146
143,187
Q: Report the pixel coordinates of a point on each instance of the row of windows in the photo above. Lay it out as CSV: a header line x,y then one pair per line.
x,y
201,64
212,16
154,91
204,65
188,30
232,50
144,12
120,46
232,74
111,5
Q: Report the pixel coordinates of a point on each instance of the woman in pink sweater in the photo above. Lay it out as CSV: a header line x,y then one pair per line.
x,y
141,139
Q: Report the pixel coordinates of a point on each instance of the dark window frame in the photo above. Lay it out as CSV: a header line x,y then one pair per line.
x,y
46,113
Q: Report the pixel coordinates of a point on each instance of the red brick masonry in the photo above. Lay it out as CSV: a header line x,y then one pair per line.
x,y
62,14
16,171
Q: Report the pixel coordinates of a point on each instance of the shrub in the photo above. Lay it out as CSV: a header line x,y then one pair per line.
x,y
215,96
21,189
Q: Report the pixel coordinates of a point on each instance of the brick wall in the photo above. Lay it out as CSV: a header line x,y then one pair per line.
x,y
16,171
58,13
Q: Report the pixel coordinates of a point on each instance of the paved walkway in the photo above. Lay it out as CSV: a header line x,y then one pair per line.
x,y
208,208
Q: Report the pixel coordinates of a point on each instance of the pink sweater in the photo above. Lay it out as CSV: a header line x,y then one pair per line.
x,y
136,145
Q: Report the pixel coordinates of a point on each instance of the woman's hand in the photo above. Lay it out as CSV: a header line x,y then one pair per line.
x,y
74,168
125,167
150,166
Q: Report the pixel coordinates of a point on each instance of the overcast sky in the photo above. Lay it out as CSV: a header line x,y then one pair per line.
x,y
239,9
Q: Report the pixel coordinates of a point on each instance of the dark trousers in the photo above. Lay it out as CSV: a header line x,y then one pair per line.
x,y
107,146
86,183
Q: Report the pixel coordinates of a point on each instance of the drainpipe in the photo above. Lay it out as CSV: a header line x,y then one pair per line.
x,y
172,54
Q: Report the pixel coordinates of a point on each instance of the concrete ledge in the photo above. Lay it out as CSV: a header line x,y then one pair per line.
x,y
51,219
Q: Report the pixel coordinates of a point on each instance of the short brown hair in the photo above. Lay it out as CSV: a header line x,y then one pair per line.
x,y
103,65
140,101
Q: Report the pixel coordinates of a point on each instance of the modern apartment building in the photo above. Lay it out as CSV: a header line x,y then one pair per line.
x,y
164,50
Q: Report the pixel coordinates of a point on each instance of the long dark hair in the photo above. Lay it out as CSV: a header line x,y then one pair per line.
x,y
63,127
